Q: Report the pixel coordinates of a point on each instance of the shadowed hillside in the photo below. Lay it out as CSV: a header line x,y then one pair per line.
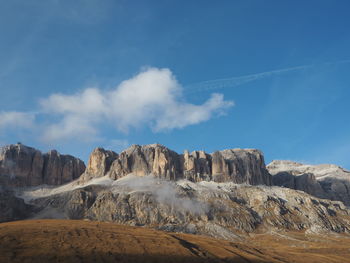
x,y
83,241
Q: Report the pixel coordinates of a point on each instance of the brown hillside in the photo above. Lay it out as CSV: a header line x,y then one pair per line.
x,y
83,241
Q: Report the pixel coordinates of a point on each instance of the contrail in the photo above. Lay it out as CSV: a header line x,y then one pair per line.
x,y
237,81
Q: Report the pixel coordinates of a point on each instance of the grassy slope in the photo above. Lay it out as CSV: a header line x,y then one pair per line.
x,y
83,241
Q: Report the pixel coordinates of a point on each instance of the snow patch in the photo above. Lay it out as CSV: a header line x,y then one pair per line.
x,y
34,192
320,171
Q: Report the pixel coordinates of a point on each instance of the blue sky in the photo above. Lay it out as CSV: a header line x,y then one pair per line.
x,y
69,72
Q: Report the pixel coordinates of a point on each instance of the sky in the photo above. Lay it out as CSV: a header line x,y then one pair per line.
x,y
197,75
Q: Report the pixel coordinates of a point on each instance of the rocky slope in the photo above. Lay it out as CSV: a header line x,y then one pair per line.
x,y
235,165
324,181
21,165
13,208
222,210
225,194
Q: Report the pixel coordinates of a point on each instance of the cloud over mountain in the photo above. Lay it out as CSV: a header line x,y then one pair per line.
x,y
16,119
152,98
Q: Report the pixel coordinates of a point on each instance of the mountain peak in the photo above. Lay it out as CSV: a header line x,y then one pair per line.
x,y
22,165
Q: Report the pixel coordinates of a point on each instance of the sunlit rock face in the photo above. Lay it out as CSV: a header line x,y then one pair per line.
x,y
148,159
240,166
197,166
222,194
325,181
99,164
236,165
21,165
222,210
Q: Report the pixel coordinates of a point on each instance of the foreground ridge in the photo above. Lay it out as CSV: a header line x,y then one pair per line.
x,y
72,241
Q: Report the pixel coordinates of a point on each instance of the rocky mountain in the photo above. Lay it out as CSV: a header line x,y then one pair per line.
x,y
225,194
235,165
221,210
324,181
99,163
21,165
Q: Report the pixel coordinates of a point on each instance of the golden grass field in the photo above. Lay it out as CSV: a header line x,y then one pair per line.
x,y
86,241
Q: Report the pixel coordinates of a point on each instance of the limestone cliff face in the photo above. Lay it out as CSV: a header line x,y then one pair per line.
x,y
148,159
100,162
60,169
240,166
324,181
21,165
197,166
221,210
236,165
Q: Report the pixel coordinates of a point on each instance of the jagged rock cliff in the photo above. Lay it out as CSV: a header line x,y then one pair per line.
x,y
148,159
99,164
221,210
236,165
21,165
221,194
325,181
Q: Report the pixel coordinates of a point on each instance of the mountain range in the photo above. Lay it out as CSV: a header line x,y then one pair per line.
x,y
225,194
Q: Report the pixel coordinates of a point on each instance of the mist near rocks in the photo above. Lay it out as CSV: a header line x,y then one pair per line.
x,y
7,165
165,192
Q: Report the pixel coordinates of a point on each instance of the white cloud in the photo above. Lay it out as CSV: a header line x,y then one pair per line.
x,y
152,97
15,119
143,98
71,126
79,115
88,102
179,115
